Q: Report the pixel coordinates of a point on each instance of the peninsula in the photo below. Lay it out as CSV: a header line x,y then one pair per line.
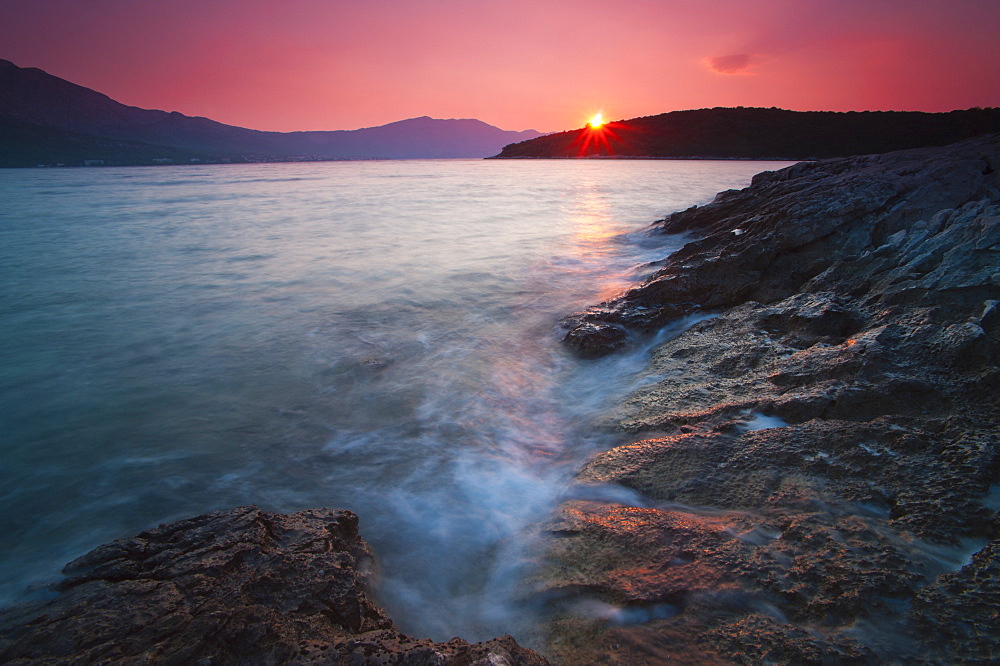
x,y
761,134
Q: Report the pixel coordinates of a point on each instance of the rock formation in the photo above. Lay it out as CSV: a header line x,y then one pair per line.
x,y
811,468
234,587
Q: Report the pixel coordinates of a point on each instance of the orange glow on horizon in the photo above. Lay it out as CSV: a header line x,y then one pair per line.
x,y
597,120
601,140
506,64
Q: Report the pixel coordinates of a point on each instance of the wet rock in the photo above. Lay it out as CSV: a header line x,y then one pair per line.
x,y
961,611
933,210
759,639
649,555
693,578
828,438
593,340
241,586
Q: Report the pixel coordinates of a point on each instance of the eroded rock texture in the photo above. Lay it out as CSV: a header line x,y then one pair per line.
x,y
811,469
235,587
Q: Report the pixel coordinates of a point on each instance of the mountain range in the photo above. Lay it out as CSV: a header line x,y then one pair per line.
x,y
45,120
762,133
48,120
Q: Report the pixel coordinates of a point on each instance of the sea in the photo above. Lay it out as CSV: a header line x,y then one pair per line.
x,y
379,336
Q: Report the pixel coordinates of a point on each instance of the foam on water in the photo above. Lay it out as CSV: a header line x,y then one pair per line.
x,y
622,615
375,336
757,421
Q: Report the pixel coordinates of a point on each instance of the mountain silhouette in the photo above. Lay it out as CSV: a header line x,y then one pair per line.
x,y
45,119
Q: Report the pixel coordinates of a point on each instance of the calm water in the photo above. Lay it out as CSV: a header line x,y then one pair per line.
x,y
377,336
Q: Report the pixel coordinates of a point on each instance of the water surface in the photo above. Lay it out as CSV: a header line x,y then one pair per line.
x,y
376,336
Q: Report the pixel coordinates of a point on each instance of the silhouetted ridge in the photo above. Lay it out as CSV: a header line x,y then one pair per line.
x,y
756,133
47,120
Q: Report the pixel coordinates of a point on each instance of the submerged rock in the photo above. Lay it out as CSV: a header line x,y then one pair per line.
x,y
809,467
231,587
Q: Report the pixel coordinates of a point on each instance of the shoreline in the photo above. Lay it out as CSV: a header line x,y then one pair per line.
x,y
812,467
651,157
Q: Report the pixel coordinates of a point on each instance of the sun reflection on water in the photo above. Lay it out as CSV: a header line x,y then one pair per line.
x,y
595,231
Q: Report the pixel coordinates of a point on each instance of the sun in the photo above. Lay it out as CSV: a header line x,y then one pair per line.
x,y
596,121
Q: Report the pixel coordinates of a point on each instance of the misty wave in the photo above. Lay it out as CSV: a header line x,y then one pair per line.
x,y
378,336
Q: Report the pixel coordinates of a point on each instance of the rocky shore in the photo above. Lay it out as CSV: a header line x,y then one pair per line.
x,y
233,587
809,475
812,470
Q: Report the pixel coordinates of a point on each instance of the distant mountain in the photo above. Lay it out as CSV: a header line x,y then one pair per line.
x,y
422,137
754,133
47,120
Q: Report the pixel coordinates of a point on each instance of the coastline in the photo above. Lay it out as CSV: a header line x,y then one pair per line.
x,y
813,470
807,472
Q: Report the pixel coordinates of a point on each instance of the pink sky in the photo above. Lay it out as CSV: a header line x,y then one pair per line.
x,y
516,64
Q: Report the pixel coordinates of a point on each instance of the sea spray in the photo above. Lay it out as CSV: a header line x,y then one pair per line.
x,y
375,336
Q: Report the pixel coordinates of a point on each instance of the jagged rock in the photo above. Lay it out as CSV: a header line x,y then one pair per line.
x,y
819,452
241,586
790,227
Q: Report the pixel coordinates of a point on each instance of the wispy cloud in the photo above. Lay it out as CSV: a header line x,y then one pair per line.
x,y
739,63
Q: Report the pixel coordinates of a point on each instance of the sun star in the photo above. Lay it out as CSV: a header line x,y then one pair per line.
x,y
596,121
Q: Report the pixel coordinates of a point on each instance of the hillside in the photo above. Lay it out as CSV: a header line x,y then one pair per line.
x,y
24,144
754,133
48,120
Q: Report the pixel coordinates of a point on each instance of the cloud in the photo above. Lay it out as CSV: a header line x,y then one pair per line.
x,y
739,63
